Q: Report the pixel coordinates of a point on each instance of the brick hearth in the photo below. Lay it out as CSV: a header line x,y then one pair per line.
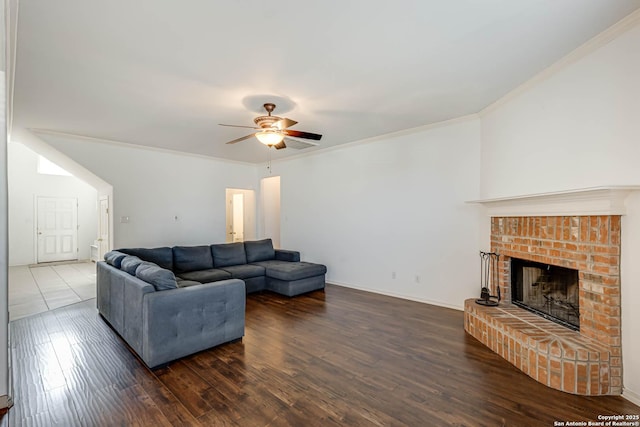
x,y
587,362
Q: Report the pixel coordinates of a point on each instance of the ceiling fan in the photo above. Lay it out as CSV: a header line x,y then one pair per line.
x,y
274,129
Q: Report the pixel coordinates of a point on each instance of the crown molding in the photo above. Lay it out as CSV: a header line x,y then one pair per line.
x,y
377,138
608,200
625,24
134,146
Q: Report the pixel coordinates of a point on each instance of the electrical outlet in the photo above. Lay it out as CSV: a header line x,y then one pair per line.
x,y
393,274
417,279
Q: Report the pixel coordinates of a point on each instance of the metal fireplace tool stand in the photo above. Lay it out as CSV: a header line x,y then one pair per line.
x,y
488,277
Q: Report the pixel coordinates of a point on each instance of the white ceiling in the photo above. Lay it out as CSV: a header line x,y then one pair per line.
x,y
165,73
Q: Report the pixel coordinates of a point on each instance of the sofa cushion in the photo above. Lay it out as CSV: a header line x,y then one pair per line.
x,y
192,258
187,283
245,271
130,263
285,255
161,256
284,270
206,276
161,278
228,254
114,258
259,250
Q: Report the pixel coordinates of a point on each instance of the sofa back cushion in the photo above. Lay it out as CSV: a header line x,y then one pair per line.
x,y
161,278
227,254
114,258
130,263
161,256
192,258
259,250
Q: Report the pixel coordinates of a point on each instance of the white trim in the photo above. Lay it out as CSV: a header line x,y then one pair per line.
x,y
608,200
631,396
574,56
394,295
10,60
376,138
137,146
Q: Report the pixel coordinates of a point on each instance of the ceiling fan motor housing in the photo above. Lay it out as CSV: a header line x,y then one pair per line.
x,y
273,129
266,122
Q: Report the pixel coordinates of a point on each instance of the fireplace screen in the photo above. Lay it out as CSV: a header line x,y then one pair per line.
x,y
547,290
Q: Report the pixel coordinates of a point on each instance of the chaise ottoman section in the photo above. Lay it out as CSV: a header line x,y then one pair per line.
x,y
296,287
293,278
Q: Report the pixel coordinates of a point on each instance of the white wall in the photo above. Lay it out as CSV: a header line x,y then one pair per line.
x,y
578,128
270,204
394,205
152,187
25,184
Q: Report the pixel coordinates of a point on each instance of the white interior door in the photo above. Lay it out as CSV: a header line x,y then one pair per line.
x,y
57,229
103,227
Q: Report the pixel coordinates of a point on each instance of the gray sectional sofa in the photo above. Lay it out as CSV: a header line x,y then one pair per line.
x,y
167,303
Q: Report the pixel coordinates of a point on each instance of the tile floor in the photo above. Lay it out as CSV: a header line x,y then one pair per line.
x,y
33,290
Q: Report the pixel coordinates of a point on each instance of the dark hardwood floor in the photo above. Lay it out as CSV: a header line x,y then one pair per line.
x,y
333,358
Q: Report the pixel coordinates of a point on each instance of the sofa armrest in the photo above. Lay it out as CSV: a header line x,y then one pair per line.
x,y
284,255
183,321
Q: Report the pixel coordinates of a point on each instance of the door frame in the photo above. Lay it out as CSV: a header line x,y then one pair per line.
x,y
102,197
249,213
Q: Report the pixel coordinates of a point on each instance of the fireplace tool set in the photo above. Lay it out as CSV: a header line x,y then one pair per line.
x,y
488,277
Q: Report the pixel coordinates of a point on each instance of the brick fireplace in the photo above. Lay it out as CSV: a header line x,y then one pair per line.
x,y
588,361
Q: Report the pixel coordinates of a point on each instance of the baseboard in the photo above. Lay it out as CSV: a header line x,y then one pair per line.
x,y
631,396
401,296
5,402
54,263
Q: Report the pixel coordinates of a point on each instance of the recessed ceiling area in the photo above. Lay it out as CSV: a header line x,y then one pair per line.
x,y
163,74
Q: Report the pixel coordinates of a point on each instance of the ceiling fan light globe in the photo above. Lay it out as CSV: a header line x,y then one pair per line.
x,y
269,138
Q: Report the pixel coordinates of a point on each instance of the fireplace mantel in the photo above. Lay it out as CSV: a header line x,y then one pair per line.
x,y
585,201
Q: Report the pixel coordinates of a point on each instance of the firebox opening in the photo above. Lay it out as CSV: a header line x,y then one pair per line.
x,y
547,290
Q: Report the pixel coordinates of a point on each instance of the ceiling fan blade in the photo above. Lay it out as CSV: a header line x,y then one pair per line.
x,y
284,123
238,126
241,139
300,145
280,145
300,134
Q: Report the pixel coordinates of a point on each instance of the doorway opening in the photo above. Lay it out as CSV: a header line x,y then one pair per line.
x,y
240,214
55,224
